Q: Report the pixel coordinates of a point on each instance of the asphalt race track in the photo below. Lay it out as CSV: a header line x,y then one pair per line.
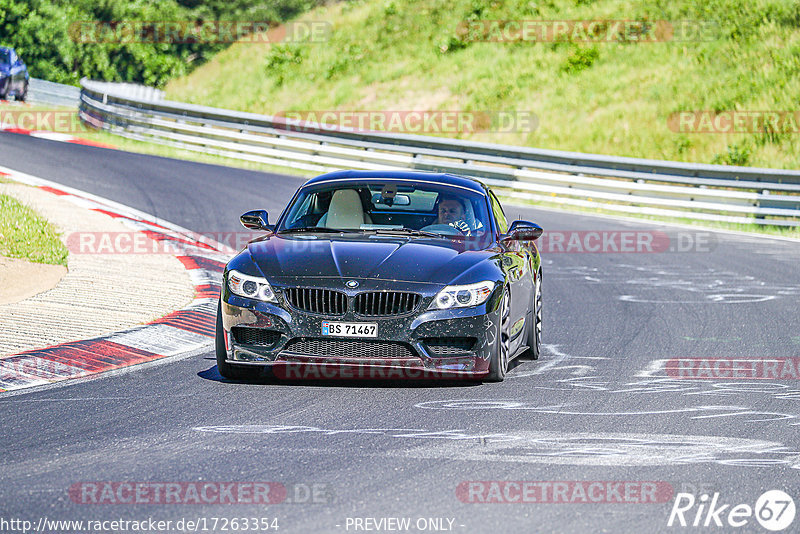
x,y
603,404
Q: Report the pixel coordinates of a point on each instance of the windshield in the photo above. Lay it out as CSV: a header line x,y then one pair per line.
x,y
389,207
5,56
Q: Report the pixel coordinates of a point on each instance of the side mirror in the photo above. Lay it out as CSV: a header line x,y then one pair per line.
x,y
256,220
523,231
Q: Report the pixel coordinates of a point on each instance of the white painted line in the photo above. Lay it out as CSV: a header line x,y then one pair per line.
x,y
653,369
52,136
161,339
102,376
104,202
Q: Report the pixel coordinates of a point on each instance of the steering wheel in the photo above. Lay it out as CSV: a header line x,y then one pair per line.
x,y
447,229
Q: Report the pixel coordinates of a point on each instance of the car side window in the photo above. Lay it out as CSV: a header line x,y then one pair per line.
x,y
499,215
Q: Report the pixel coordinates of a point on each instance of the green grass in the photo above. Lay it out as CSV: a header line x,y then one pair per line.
x,y
23,234
607,98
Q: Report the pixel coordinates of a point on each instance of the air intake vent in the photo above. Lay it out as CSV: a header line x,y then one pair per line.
x,y
313,300
385,303
449,346
340,348
255,336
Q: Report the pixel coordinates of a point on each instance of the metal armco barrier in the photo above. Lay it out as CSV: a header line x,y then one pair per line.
x,y
626,185
44,92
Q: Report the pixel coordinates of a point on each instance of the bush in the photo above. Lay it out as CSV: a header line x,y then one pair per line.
x,y
737,154
281,58
46,34
580,59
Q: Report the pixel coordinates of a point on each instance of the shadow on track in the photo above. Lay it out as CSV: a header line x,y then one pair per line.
x,y
267,379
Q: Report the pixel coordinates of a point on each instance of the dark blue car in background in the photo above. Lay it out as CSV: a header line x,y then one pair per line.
x,y
13,75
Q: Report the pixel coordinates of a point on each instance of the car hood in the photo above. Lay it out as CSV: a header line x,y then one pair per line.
x,y
437,261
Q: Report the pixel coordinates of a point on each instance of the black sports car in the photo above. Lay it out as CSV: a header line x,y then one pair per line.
x,y
414,272
13,75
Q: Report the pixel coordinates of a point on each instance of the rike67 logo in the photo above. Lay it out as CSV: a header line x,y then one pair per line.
x,y
774,510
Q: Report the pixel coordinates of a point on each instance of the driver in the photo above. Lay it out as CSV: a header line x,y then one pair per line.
x,y
452,212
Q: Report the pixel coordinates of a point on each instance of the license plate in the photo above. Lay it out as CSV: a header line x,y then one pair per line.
x,y
350,329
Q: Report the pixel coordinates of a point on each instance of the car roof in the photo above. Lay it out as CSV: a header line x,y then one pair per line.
x,y
441,178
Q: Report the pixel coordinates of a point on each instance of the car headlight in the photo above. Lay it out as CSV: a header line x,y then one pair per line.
x,y
252,287
462,296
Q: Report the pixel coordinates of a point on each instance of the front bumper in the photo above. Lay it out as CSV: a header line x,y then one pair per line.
x,y
425,344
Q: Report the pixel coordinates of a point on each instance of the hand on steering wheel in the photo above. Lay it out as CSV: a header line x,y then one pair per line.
x,y
462,226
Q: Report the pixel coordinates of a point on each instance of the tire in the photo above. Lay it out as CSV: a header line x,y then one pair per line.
x,y
231,372
24,96
535,326
498,365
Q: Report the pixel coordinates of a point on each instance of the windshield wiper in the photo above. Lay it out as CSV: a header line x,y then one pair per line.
x,y
405,231
316,229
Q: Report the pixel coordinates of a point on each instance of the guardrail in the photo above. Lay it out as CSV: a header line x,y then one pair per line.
x,y
58,94
44,92
627,185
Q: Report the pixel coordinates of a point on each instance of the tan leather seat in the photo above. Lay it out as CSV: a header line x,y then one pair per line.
x,y
345,211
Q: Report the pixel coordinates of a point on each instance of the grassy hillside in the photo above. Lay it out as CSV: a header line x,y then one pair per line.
x,y
612,98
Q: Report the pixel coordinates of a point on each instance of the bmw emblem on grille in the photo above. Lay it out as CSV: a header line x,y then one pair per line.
x,y
352,284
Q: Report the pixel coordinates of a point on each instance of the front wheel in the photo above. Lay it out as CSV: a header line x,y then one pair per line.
x,y
498,365
231,372
23,97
